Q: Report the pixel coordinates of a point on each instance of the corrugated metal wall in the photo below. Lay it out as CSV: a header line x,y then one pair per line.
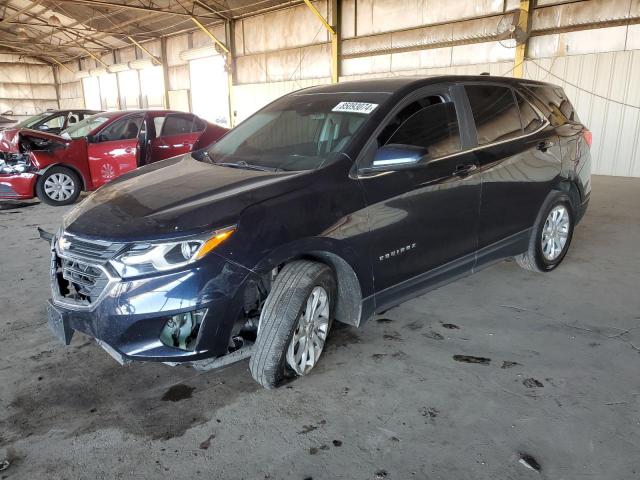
x,y
285,50
589,80
27,86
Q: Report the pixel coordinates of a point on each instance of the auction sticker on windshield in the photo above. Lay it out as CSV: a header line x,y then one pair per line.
x,y
355,107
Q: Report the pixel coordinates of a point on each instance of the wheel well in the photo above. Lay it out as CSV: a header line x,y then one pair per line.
x,y
62,165
571,188
349,299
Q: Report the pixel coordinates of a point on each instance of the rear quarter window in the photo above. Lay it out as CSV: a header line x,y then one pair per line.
x,y
553,102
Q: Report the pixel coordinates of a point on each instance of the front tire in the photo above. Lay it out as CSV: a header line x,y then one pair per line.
x,y
294,323
58,186
551,235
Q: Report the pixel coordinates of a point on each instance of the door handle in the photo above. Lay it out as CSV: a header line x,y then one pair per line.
x,y
464,169
128,150
544,146
186,144
163,147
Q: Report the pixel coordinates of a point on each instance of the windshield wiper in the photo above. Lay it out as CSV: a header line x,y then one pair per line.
x,y
246,166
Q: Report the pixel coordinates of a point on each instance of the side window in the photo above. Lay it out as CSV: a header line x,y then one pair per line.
x,y
495,113
198,125
554,103
123,129
176,125
531,121
55,122
429,123
158,122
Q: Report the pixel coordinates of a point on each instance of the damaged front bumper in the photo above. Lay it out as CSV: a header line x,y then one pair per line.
x,y
20,186
128,317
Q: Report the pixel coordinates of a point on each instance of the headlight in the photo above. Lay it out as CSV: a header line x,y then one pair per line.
x,y
142,258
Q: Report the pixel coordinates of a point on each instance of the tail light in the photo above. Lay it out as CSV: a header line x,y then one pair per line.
x,y
588,136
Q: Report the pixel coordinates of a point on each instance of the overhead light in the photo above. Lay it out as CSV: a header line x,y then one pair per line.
x,y
55,20
140,64
196,53
96,72
118,67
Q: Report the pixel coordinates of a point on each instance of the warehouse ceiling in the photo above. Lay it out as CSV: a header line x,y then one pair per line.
x,y
63,30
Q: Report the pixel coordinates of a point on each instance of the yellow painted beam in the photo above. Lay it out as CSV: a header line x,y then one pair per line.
x,y
153,57
92,55
521,50
62,65
319,15
213,37
334,40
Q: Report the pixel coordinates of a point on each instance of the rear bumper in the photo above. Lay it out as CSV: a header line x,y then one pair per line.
x,y
130,316
18,187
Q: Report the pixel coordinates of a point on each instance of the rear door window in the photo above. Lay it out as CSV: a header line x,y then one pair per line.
x,y
177,125
495,113
429,123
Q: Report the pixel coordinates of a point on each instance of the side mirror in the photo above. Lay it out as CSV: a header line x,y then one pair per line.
x,y
43,128
391,156
91,139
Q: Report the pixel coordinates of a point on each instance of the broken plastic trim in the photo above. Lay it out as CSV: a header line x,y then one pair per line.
x,y
181,331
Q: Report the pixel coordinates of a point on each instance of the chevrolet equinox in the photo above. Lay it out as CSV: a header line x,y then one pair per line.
x,y
332,203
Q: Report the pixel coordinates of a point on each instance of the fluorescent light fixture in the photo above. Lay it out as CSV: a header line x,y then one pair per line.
x,y
96,72
140,64
118,67
196,53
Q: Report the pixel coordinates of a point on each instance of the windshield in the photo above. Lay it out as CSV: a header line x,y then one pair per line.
x,y
297,132
31,121
86,126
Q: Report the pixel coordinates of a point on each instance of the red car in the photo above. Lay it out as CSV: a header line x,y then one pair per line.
x,y
94,151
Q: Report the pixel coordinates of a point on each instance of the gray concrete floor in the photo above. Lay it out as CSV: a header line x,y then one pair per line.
x,y
387,401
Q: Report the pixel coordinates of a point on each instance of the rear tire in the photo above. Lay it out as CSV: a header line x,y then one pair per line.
x,y
550,236
289,318
58,186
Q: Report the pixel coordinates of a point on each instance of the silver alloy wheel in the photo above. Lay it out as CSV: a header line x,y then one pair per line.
x,y
59,187
555,232
310,332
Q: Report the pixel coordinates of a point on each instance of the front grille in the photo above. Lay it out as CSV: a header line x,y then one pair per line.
x,y
90,251
79,269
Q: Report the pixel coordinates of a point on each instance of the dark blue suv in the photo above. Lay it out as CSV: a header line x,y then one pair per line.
x,y
331,203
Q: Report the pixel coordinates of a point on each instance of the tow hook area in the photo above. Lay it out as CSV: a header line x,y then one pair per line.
x,y
114,354
47,236
241,353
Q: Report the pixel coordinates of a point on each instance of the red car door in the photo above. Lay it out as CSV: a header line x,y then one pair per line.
x,y
114,150
177,136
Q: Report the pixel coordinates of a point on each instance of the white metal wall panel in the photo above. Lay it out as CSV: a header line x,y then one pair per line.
x,y
589,81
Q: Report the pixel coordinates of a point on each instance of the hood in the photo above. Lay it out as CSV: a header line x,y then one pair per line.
x,y
174,197
10,139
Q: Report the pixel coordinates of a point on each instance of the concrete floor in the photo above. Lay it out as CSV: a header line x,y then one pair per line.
x,y
560,383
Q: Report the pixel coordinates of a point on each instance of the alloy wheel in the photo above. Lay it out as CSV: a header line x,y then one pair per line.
x,y
310,332
555,232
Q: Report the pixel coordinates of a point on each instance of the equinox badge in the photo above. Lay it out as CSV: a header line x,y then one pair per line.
x,y
397,252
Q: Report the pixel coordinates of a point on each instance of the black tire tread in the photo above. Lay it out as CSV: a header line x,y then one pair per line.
x,y
279,312
527,259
